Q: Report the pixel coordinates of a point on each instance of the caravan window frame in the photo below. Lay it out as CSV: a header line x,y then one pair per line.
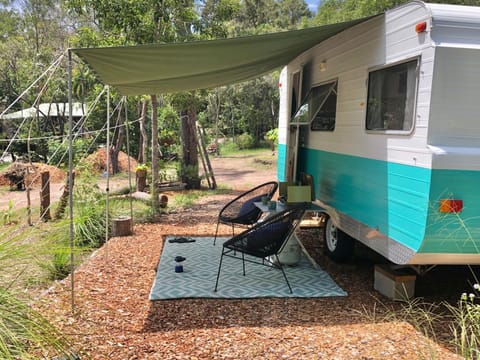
x,y
311,115
413,99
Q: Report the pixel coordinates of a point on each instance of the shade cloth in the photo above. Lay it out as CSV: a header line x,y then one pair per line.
x,y
165,68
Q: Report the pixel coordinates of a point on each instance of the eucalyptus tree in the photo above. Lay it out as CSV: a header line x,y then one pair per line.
x,y
332,11
250,106
139,22
216,17
10,73
292,14
32,38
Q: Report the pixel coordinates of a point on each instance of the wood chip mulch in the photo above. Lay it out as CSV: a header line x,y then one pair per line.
x,y
113,318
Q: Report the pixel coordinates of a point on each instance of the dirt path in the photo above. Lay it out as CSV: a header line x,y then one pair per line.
x,y
242,172
236,172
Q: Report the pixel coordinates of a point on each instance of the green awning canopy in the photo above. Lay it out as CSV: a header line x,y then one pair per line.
x,y
165,68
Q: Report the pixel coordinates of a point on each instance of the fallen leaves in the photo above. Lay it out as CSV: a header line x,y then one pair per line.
x,y
113,318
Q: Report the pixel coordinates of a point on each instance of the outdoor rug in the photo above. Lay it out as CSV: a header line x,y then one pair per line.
x,y
200,271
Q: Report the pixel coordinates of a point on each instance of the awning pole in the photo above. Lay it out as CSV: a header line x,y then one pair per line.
x,y
128,161
107,189
70,180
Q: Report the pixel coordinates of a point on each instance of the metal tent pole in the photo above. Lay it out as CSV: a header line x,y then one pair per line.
x,y
128,160
107,189
70,180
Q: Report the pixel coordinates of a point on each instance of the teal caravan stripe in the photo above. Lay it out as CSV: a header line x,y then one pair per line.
x,y
450,232
390,197
282,162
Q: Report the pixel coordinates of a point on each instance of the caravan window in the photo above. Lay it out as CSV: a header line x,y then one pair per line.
x,y
319,108
391,97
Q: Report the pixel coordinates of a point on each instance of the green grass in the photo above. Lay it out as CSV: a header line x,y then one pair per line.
x,y
185,200
3,166
231,150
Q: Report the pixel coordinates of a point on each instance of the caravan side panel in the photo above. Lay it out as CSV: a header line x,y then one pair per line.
x,y
454,138
383,188
283,124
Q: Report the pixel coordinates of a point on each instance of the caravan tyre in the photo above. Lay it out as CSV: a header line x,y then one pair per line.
x,y
338,245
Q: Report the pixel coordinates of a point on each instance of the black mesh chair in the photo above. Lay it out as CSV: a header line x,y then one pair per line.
x,y
263,241
241,211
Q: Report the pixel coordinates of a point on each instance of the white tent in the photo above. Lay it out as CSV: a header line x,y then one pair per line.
x,y
48,110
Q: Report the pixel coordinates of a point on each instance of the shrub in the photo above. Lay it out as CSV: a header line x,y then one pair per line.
x,y
89,223
245,141
59,268
272,137
228,147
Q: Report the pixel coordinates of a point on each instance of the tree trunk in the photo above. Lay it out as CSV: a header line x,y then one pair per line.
x,y
154,185
118,143
189,148
142,154
217,120
45,197
63,202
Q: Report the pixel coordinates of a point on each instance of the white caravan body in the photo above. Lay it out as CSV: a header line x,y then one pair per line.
x,y
385,116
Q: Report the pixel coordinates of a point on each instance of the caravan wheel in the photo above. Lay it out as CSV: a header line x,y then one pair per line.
x,y
338,245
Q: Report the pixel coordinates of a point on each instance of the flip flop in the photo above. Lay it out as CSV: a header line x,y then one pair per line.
x,y
181,240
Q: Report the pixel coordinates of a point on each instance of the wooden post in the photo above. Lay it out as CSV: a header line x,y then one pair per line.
x,y
28,183
45,197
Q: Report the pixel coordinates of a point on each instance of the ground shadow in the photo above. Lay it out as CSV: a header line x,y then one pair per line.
x,y
363,305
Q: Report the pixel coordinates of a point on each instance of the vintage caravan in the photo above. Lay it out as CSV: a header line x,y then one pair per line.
x,y
385,117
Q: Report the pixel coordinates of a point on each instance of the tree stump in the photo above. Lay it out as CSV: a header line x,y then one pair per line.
x,y
122,226
163,201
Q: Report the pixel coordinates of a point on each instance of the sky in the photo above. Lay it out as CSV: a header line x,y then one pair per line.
x,y
313,4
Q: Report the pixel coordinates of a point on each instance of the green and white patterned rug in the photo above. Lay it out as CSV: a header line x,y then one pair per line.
x,y
200,272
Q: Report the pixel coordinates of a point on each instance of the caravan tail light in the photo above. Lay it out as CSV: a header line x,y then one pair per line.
x,y
451,206
421,27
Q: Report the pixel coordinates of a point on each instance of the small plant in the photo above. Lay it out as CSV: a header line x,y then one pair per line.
x,y
7,214
90,223
466,327
272,137
141,167
60,266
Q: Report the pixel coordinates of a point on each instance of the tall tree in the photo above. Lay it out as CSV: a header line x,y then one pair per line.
x,y
332,11
216,17
139,22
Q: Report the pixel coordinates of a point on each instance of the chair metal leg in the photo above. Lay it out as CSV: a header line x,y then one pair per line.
x,y
243,262
216,233
283,272
219,268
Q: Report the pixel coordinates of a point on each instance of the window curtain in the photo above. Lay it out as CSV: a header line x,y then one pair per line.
x,y
410,96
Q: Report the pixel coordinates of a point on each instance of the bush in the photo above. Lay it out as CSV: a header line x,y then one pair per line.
x,y
245,141
272,137
58,151
60,266
228,147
